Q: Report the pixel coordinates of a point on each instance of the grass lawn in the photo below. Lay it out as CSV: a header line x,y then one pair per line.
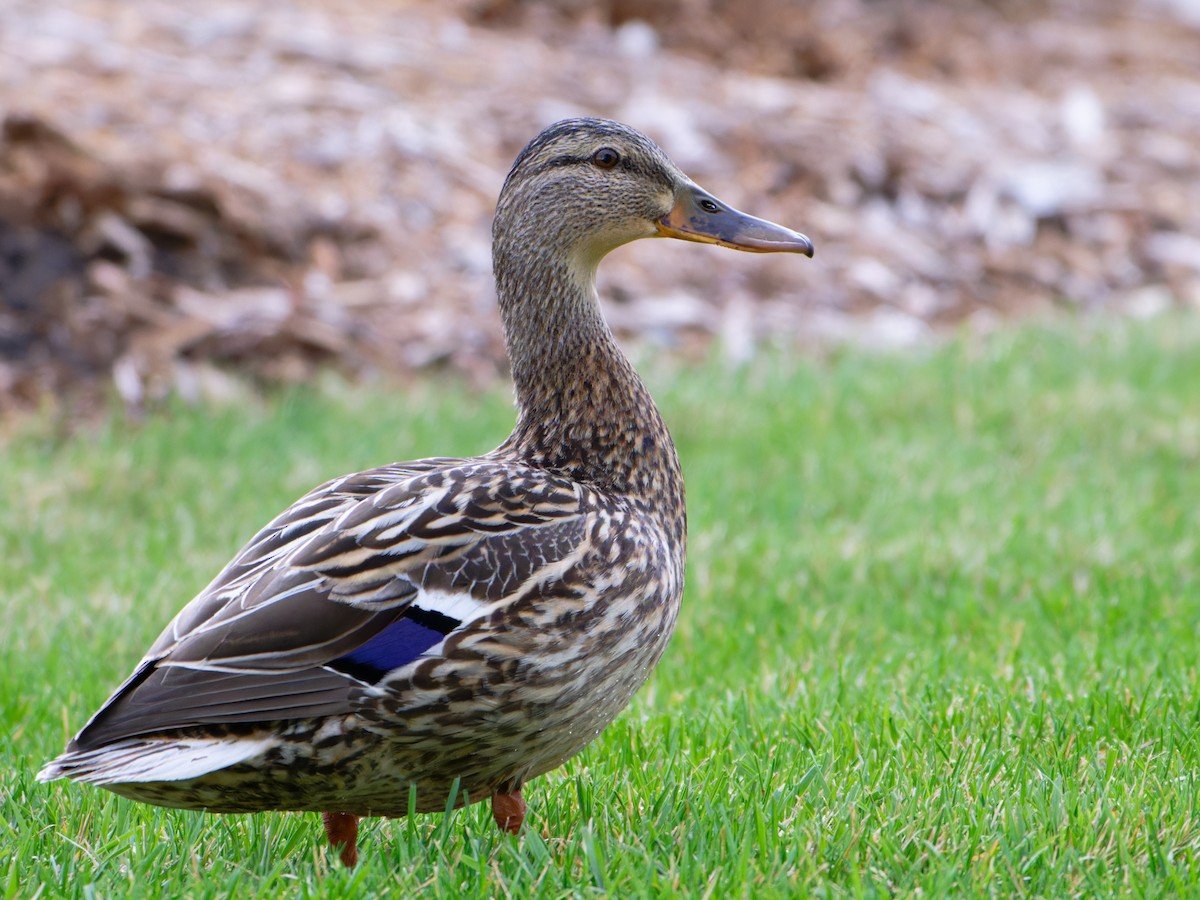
x,y
940,634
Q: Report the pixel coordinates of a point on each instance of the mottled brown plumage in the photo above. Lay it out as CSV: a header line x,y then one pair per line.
x,y
447,629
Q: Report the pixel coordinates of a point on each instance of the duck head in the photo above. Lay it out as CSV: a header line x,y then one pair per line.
x,y
584,187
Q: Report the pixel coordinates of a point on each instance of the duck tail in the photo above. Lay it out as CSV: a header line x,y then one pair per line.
x,y
153,759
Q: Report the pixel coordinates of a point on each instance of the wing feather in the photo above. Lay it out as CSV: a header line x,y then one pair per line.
x,y
288,629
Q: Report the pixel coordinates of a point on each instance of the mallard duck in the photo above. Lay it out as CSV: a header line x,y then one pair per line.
x,y
442,631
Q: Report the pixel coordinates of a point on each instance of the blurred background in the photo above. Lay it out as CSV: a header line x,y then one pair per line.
x,y
190,194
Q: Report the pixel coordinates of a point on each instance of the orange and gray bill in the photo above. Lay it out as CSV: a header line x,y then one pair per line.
x,y
698,216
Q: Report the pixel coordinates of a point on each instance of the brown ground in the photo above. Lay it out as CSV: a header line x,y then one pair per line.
x,y
280,185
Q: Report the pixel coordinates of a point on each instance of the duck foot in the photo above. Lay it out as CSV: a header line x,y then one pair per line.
x,y
509,811
342,831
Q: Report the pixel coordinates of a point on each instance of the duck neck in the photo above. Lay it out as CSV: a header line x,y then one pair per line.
x,y
582,409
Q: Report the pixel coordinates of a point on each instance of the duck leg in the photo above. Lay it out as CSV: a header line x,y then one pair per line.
x,y
509,811
342,831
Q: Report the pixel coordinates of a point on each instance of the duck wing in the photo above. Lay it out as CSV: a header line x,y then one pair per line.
x,y
358,578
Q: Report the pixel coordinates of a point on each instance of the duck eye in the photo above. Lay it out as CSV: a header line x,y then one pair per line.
x,y
606,157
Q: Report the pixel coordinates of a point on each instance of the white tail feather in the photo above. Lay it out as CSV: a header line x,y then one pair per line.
x,y
137,761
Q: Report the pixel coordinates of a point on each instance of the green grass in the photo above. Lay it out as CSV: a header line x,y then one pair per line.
x,y
940,635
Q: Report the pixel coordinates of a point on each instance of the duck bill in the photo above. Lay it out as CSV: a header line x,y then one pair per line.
x,y
698,216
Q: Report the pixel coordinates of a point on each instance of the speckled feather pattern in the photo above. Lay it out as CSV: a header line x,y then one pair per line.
x,y
448,624
554,564
576,600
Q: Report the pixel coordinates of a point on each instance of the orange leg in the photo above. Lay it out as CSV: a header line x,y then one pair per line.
x,y
509,811
342,831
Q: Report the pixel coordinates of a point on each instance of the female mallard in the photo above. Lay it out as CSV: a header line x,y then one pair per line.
x,y
447,629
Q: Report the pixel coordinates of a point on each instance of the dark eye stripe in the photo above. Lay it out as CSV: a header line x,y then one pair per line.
x,y
559,161
627,164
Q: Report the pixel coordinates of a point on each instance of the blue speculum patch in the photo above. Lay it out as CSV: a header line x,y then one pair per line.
x,y
396,645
